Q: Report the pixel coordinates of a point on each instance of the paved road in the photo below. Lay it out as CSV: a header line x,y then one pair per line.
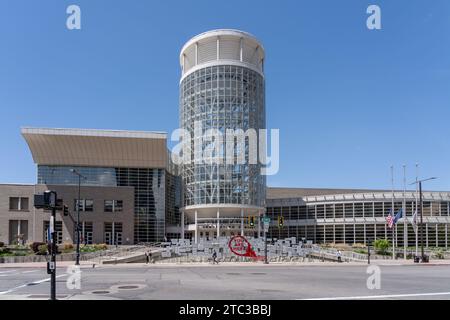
x,y
232,282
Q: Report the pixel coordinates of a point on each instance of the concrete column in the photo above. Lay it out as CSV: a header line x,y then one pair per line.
x,y
184,62
196,53
343,226
113,235
182,224
241,51
334,233
218,48
196,228
218,224
446,235
242,222
259,224
437,234
365,235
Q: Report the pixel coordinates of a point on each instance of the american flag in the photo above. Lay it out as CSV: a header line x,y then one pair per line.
x,y
390,220
414,221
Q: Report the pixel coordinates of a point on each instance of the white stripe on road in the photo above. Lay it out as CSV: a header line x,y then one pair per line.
x,y
386,296
10,273
27,284
1,272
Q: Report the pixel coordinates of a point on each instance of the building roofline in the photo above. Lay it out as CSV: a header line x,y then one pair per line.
x,y
97,148
220,32
95,132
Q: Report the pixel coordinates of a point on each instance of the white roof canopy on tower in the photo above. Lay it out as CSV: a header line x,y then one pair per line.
x,y
97,148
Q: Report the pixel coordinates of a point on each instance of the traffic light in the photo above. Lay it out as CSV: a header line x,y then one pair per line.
x,y
46,201
65,210
280,221
251,221
50,199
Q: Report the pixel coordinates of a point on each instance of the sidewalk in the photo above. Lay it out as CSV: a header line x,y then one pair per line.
x,y
88,264
62,264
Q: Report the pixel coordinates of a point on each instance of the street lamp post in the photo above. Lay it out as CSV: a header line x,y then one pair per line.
x,y
421,221
77,262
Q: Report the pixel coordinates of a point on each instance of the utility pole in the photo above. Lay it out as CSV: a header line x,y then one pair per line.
x,y
265,248
53,249
265,244
77,262
48,201
77,228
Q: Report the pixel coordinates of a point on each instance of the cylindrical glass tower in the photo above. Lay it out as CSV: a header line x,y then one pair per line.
x,y
221,88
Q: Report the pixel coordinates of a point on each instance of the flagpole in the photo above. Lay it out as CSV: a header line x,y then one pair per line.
x,y
417,206
405,226
393,212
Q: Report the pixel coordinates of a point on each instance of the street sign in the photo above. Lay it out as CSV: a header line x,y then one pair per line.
x,y
266,223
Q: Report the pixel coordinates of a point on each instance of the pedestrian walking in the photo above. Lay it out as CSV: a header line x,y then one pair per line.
x,y
214,257
147,257
339,255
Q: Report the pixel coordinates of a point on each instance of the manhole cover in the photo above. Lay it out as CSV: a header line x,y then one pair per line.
x,y
128,287
32,284
131,286
100,292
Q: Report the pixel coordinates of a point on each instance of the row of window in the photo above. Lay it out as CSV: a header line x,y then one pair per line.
x,y
435,235
357,210
148,187
112,232
85,205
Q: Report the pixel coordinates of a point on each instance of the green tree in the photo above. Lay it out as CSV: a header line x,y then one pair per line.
x,y
382,245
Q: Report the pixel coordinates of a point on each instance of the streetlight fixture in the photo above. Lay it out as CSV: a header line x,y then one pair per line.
x,y
77,262
419,182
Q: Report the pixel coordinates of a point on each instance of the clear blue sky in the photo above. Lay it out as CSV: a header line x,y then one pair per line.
x,y
349,102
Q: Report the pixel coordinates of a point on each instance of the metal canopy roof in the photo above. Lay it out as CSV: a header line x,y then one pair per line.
x,y
97,148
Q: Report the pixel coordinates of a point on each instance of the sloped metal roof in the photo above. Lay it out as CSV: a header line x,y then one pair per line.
x,y
97,148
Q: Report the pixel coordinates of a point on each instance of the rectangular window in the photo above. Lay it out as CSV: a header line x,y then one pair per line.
x,y
14,203
113,205
86,205
18,231
89,205
18,204
109,204
118,206
86,233
58,231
